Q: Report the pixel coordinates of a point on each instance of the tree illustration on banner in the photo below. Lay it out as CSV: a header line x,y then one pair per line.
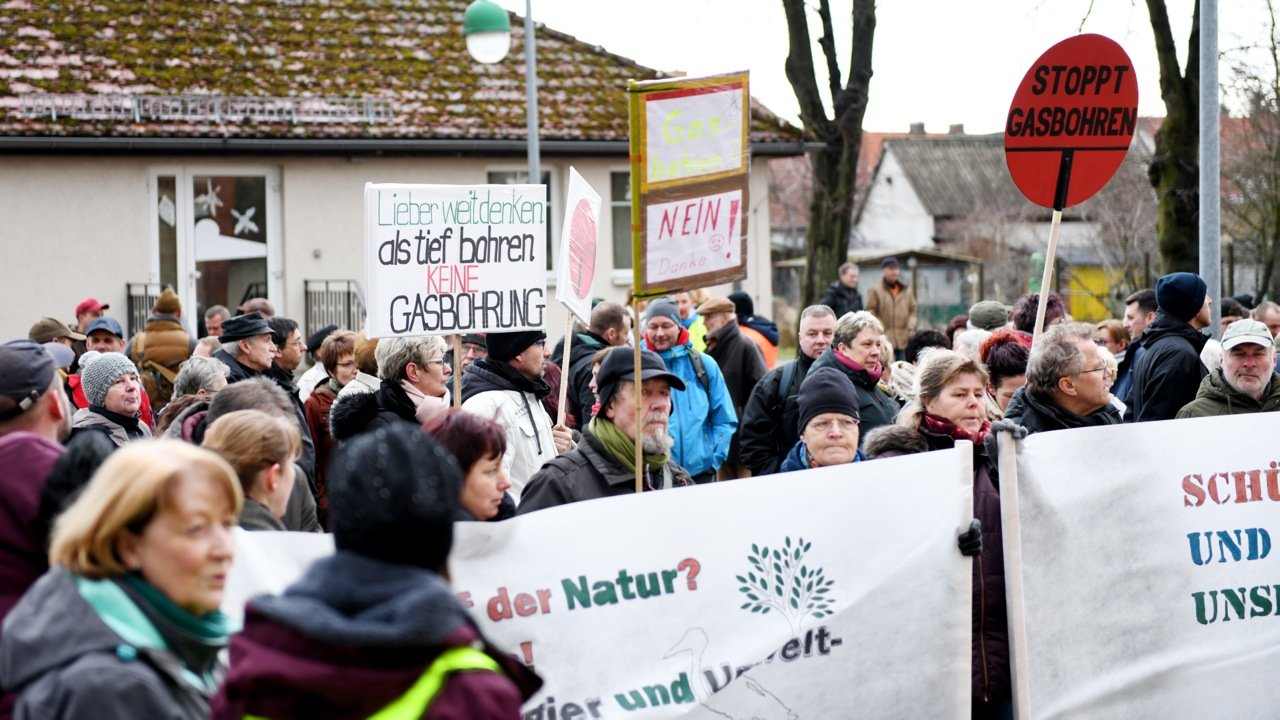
x,y
780,581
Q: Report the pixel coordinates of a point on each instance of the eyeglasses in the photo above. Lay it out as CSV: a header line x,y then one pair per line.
x,y
1105,370
846,424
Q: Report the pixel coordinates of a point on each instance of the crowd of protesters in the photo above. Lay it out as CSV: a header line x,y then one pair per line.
x,y
128,460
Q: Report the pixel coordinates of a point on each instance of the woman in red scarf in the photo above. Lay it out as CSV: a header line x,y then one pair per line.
x,y
951,406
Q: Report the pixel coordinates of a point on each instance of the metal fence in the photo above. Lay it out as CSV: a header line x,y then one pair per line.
x,y
142,296
334,302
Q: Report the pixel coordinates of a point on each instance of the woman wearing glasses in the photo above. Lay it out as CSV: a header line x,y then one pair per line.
x,y
828,422
414,389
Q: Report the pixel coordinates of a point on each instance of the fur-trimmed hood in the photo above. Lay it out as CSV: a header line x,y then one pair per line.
x,y
893,437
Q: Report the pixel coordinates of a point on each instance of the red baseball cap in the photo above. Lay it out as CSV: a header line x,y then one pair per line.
x,y
90,305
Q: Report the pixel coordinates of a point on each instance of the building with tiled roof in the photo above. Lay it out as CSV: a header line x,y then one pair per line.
x,y
222,148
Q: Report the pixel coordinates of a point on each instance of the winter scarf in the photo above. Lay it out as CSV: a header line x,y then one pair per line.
x,y
942,426
426,406
622,448
873,372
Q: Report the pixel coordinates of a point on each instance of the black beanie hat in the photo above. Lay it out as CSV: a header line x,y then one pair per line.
x,y
317,338
826,390
504,346
393,496
1181,294
746,307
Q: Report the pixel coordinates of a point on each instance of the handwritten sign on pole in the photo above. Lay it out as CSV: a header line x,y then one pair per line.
x,y
576,266
689,173
444,259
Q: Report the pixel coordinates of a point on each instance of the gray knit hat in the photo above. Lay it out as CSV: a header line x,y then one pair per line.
x,y
99,371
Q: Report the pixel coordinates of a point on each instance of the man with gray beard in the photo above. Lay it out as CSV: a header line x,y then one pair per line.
x,y
603,463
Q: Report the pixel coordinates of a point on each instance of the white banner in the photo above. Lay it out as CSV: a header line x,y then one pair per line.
x,y
444,259
1150,583
576,266
805,595
694,236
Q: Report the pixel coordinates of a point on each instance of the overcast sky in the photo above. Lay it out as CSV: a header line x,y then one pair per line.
x,y
935,61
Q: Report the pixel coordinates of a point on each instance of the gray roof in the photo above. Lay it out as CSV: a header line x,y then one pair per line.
x,y
955,176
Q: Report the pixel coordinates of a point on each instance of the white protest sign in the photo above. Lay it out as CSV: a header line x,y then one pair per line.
x,y
696,131
444,259
576,268
1150,583
802,595
693,237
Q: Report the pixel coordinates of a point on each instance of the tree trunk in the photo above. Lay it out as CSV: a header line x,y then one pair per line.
x,y
1175,168
835,166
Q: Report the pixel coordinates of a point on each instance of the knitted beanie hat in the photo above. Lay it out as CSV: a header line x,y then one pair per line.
x,y
99,371
662,307
1181,294
393,496
826,390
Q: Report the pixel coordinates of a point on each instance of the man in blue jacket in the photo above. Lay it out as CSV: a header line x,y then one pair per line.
x,y
702,417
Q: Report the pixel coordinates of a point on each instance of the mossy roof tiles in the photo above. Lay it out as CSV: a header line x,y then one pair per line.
x,y
409,52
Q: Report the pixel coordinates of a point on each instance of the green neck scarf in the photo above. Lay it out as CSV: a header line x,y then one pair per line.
x,y
211,627
621,447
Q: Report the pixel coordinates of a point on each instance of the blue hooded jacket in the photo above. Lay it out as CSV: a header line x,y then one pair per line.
x,y
702,421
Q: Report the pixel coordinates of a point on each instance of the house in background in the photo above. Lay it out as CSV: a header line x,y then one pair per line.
x,y
223,149
953,194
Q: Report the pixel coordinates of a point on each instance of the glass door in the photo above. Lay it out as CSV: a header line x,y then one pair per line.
x,y
216,237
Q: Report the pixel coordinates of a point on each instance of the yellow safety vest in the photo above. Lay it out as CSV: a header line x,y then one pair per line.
x,y
415,702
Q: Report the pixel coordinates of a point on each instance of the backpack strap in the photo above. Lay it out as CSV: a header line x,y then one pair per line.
x,y
788,377
700,370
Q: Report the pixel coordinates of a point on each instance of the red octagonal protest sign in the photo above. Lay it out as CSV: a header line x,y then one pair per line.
x,y
1071,121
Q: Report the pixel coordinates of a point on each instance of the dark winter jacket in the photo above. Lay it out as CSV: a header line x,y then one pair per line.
x,y
119,428
588,472
63,660
27,459
762,325
359,413
742,365
875,406
1038,414
238,372
578,375
1217,397
1168,374
1124,372
770,417
841,299
990,638
351,637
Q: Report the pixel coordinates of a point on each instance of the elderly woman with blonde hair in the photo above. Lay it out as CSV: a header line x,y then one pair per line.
x,y
126,623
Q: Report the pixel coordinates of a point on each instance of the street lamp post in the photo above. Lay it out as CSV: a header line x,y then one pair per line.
x,y
488,31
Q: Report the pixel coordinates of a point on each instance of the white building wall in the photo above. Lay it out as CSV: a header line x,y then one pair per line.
x,y
77,227
893,218
69,229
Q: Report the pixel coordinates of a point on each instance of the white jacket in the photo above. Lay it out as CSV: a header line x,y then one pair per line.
x,y
528,429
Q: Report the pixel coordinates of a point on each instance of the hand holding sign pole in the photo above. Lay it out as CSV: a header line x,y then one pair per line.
x,y
1068,129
